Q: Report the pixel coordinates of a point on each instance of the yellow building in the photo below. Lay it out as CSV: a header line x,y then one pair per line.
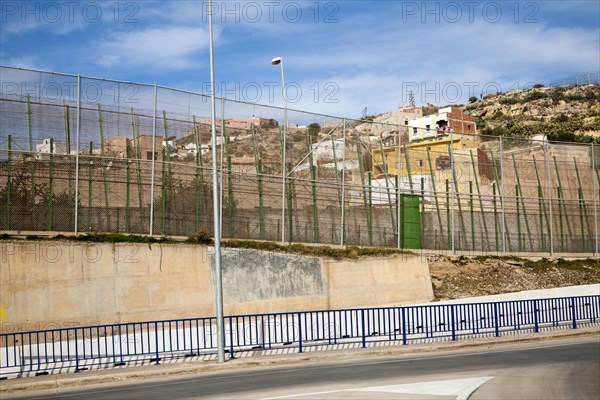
x,y
414,156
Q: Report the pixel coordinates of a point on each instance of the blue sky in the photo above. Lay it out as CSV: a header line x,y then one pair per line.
x,y
339,56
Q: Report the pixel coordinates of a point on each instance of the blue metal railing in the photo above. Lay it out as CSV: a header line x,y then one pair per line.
x,y
103,346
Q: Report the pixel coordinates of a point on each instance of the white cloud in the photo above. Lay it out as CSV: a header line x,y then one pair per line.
x,y
55,18
374,71
108,60
172,48
57,28
560,5
22,62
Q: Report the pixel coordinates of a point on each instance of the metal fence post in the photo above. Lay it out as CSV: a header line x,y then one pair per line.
x,y
283,169
343,212
362,320
502,210
8,184
153,164
300,332
453,193
76,227
76,353
595,200
535,316
574,312
398,180
496,323
156,341
403,325
230,337
453,321
224,138
399,195
548,172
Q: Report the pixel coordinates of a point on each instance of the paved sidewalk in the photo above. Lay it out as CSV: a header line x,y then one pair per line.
x,y
12,387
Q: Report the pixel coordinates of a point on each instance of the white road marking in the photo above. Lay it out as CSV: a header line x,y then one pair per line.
x,y
461,388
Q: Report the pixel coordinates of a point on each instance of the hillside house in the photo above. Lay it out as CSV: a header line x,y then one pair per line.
x,y
46,148
145,147
118,147
446,120
326,149
192,149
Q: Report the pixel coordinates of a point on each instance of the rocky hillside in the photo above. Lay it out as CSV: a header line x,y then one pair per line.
x,y
563,113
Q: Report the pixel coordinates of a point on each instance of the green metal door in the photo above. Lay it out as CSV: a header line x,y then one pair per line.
x,y
411,222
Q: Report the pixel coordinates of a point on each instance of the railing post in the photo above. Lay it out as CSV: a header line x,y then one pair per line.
x,y
300,332
496,324
230,338
452,307
574,312
156,340
535,316
404,325
362,320
76,353
262,330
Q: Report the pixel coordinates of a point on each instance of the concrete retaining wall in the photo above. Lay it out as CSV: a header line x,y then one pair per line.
x,y
50,284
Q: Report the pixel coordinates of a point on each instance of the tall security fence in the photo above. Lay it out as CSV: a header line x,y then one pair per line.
x,y
585,78
83,154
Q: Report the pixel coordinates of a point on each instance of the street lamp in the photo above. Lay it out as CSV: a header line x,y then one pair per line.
x,y
216,206
279,61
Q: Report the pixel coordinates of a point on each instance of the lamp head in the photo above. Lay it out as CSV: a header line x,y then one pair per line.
x,y
276,61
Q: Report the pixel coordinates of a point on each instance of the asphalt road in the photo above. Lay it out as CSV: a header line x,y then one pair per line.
x,y
544,370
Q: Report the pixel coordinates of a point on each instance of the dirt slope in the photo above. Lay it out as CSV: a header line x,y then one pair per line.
x,y
460,277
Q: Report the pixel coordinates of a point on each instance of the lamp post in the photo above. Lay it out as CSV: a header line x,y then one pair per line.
x,y
216,208
279,61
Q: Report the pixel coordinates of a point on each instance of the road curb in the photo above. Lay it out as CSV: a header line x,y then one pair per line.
x,y
121,374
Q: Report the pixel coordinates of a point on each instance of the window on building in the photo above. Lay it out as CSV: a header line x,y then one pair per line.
x,y
468,127
405,122
428,128
414,131
419,163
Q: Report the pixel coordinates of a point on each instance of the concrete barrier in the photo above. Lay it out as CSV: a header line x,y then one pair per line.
x,y
53,284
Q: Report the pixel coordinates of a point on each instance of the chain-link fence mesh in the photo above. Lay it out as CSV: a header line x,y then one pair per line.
x,y
586,78
90,155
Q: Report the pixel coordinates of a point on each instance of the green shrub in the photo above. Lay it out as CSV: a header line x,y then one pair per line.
x,y
535,96
202,237
509,100
560,118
